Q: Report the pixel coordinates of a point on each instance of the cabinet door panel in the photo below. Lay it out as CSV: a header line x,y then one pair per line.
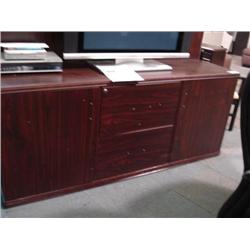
x,y
44,141
202,117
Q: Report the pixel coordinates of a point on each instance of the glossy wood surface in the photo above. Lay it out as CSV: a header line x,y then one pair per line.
x,y
128,152
72,130
202,117
195,46
214,54
45,141
87,77
131,108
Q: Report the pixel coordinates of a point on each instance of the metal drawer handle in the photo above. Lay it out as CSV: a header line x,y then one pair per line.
x,y
105,90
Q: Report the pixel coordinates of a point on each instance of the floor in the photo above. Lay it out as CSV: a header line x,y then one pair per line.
x,y
193,190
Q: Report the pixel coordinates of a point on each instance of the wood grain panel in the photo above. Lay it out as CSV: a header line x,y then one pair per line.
x,y
202,117
195,46
126,153
138,107
44,141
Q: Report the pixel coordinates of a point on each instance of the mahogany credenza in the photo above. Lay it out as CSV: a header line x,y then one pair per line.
x,y
65,132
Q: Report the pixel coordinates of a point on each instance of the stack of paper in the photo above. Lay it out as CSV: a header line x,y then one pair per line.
x,y
24,51
119,73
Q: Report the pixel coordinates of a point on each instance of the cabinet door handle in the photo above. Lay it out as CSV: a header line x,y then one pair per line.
x,y
105,90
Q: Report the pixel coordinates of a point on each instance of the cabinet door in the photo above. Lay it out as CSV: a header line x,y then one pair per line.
x,y
202,117
46,139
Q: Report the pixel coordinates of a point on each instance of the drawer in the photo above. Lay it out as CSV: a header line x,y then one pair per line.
x,y
138,107
133,151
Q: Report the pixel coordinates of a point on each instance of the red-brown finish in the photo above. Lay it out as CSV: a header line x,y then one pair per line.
x,y
128,152
53,136
46,139
103,181
195,47
202,117
213,54
183,69
131,108
69,79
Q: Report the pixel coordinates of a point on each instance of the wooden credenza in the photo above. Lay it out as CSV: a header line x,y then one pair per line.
x,y
69,131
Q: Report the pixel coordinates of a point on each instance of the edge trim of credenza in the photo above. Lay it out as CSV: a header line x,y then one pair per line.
x,y
96,183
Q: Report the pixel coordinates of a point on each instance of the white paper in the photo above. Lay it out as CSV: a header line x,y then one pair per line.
x,y
24,45
119,73
24,52
233,72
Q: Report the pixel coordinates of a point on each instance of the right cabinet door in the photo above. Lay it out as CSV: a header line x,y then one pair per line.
x,y
202,117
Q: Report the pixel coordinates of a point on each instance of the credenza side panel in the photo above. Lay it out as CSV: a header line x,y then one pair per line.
x,y
202,117
45,137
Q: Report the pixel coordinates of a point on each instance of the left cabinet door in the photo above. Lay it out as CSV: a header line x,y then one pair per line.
x,y
46,140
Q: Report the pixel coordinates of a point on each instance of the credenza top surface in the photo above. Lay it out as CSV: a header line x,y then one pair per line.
x,y
183,69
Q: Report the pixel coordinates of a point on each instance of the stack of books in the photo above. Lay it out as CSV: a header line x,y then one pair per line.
x,y
24,51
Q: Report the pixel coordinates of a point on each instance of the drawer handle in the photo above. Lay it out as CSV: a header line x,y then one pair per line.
x,y
139,124
133,108
105,90
128,153
160,104
150,106
144,150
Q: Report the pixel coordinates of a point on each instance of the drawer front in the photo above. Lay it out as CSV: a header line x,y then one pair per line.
x,y
138,107
133,151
